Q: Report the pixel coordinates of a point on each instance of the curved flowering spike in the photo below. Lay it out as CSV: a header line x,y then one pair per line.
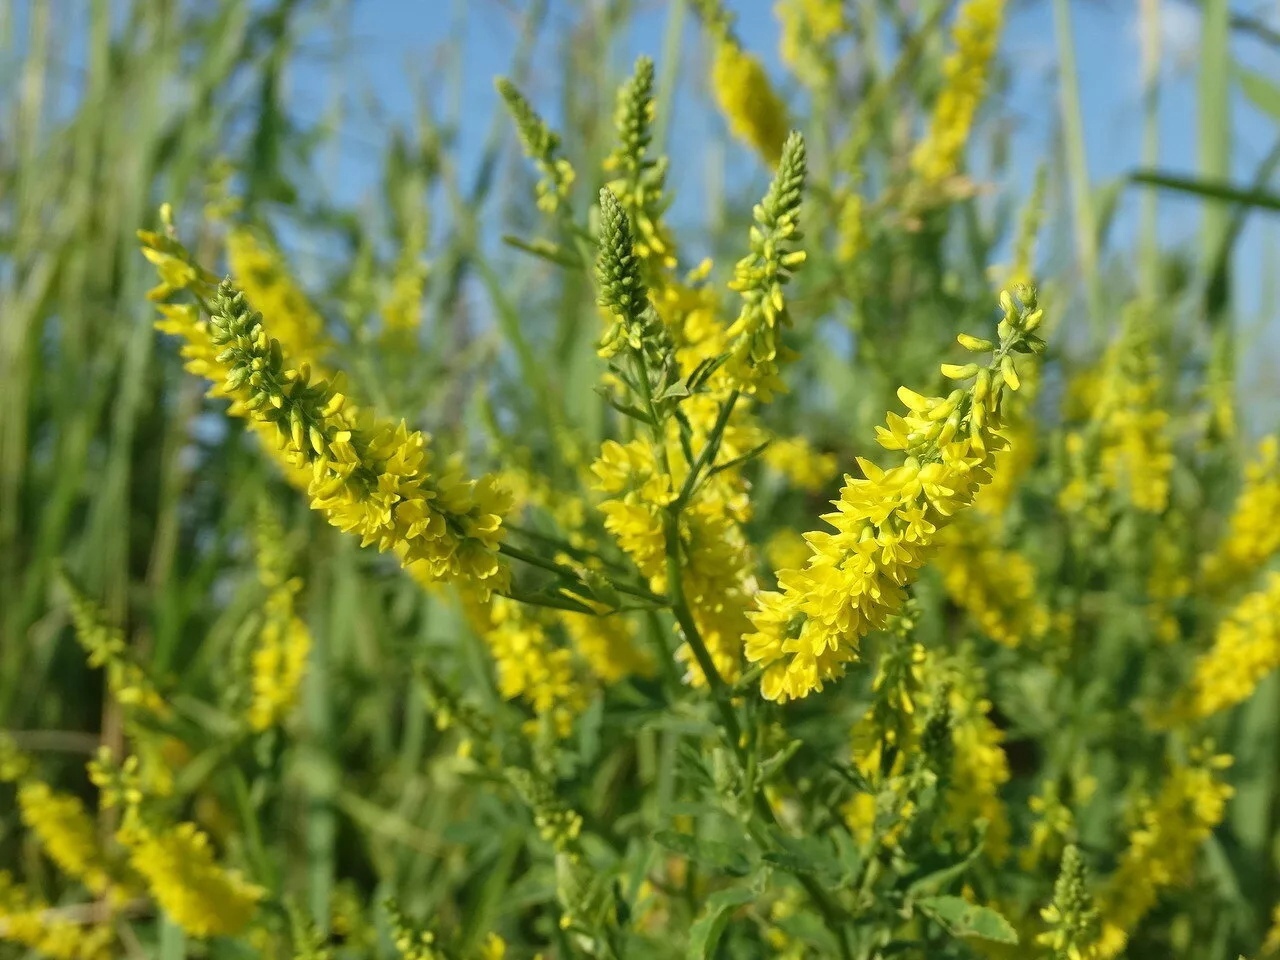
x,y
541,145
886,522
756,350
368,477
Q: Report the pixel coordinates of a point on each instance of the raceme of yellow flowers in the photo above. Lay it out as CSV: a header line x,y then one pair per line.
x,y
742,89
1246,648
807,29
886,522
1168,831
1252,536
368,476
279,657
965,73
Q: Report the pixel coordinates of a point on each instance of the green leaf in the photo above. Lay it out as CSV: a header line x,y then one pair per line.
x,y
807,857
1208,189
965,919
711,853
543,249
1262,91
934,876
709,927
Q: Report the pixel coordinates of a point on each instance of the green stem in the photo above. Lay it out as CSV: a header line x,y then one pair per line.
x,y
709,451
568,573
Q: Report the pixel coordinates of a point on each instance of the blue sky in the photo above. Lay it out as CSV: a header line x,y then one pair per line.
x,y
396,43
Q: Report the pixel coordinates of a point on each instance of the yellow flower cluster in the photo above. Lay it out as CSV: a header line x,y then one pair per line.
x,y
796,459
607,642
198,894
886,522
262,274
906,691
280,656
1253,536
639,181
1136,451
1163,844
976,34
530,665
996,586
1246,647
980,767
717,562
756,347
28,921
808,26
66,832
745,96
370,477
1072,917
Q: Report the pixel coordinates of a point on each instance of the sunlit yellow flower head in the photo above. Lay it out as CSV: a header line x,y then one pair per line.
x,y
886,522
965,72
198,894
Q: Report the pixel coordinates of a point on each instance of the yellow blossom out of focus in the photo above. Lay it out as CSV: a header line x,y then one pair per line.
x,y
965,72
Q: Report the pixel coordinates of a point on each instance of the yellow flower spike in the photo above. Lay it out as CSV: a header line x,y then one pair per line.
x,y
66,832
1252,536
198,894
746,99
368,477
976,34
807,632
284,642
1246,648
1170,827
